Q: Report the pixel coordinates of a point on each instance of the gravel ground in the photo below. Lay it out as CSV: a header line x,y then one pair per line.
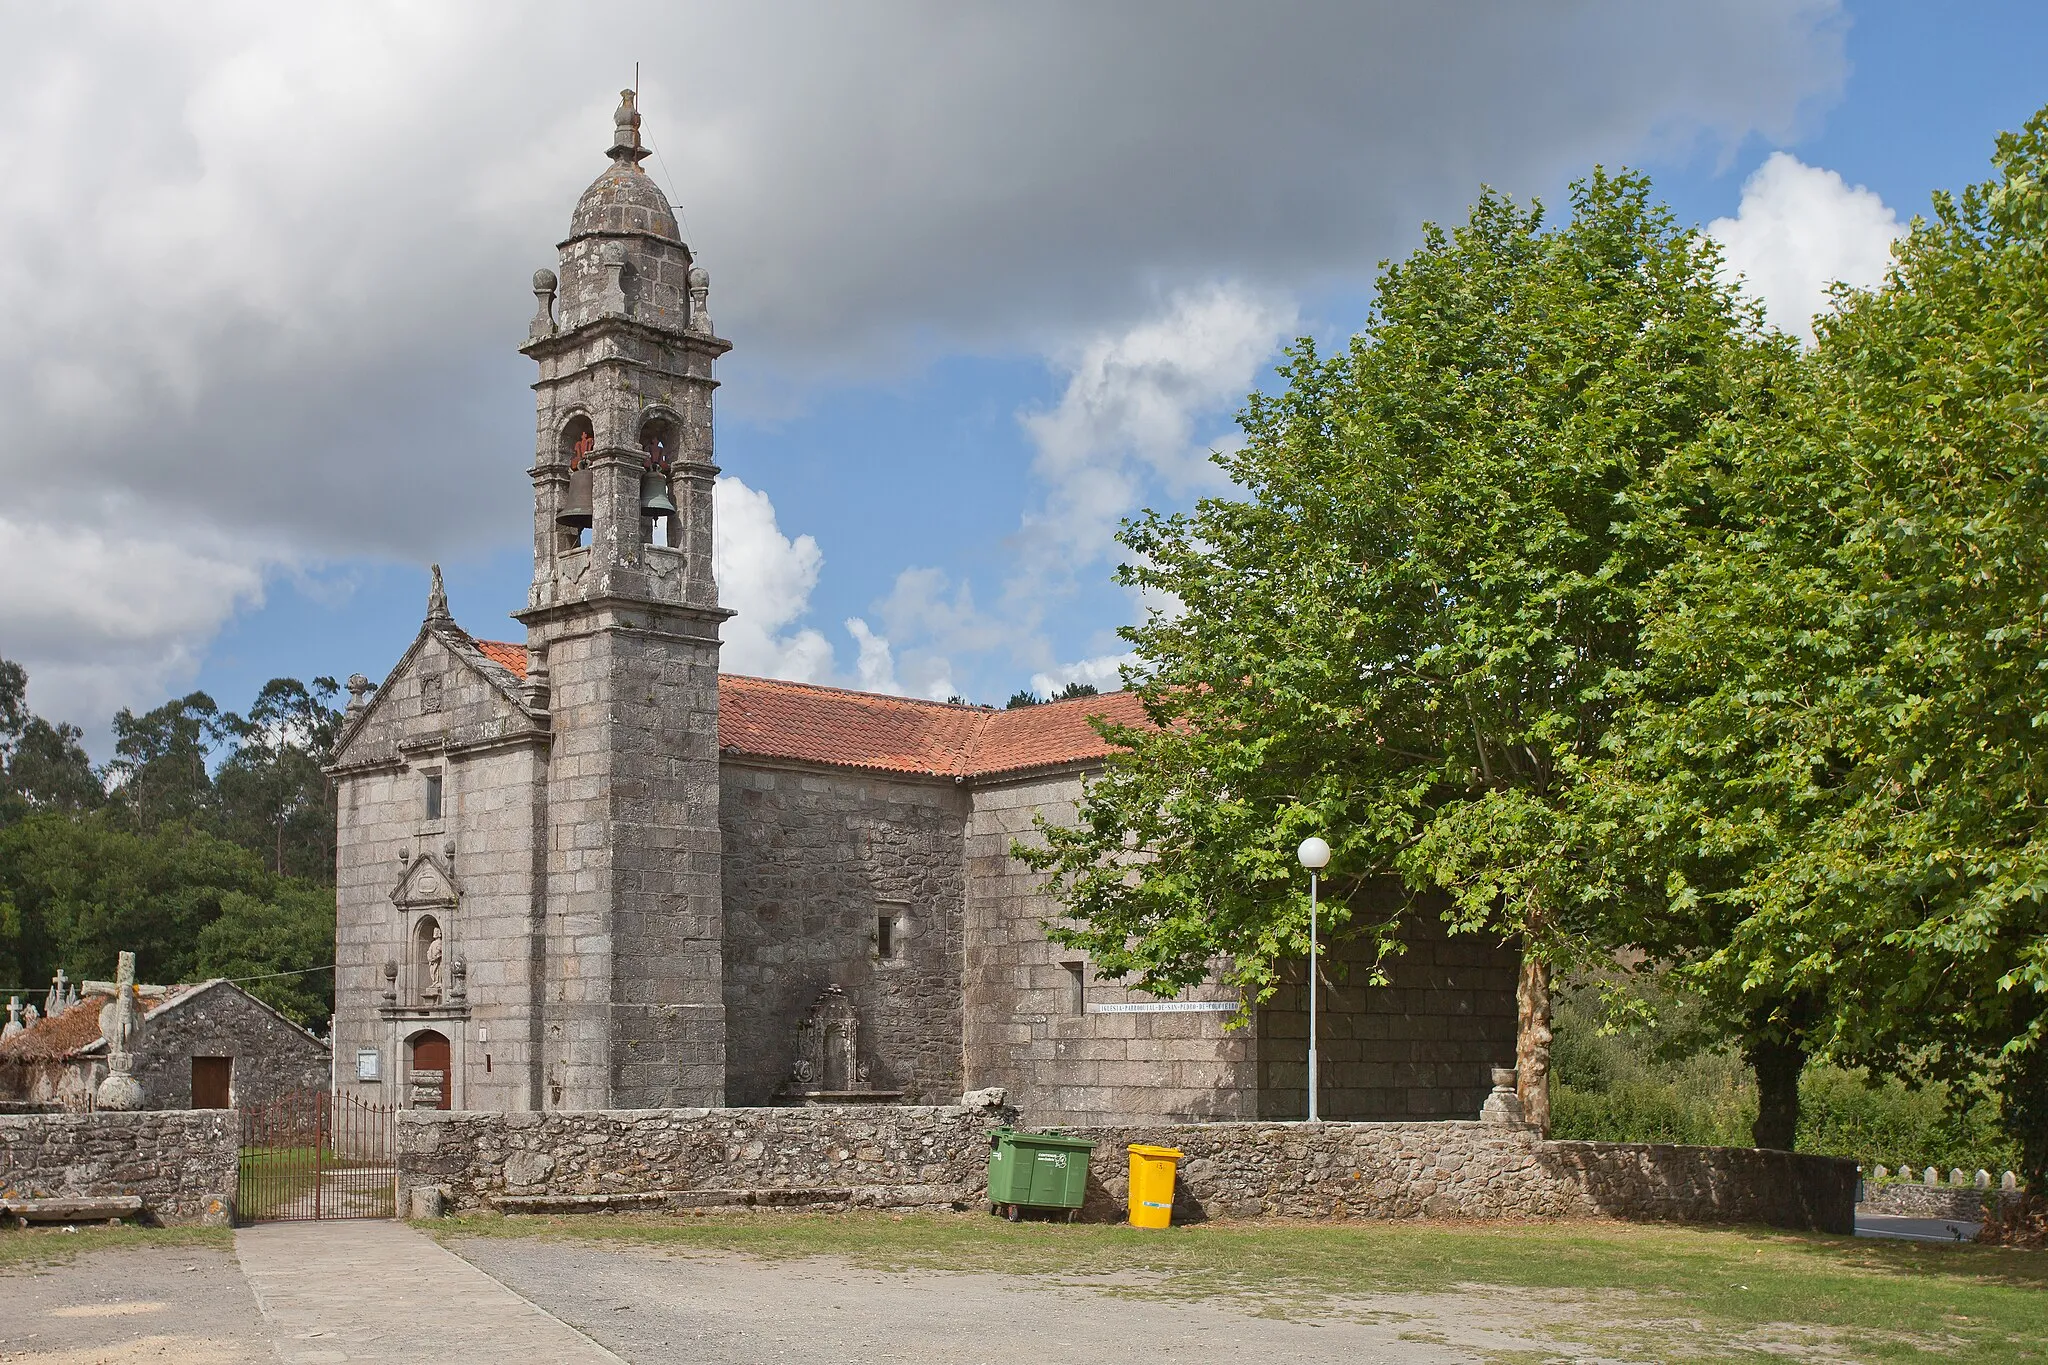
x,y
722,1309
185,1304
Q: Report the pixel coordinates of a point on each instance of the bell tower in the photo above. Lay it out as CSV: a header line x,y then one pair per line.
x,y
622,639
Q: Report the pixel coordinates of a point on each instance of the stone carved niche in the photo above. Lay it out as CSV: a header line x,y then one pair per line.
x,y
829,1068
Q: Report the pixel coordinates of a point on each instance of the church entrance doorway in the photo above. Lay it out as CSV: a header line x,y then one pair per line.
x,y
432,1085
313,1154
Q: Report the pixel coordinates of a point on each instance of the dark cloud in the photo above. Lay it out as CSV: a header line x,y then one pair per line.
x,y
264,267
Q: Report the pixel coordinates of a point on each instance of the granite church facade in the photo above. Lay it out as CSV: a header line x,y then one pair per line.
x,y
586,870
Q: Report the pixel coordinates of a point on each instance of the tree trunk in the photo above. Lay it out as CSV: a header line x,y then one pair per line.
x,y
1532,1040
1777,1063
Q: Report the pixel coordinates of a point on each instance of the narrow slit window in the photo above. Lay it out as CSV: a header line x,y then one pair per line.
x,y
1077,987
885,935
433,796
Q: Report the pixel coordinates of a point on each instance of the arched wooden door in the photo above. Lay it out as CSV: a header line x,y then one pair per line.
x,y
430,1061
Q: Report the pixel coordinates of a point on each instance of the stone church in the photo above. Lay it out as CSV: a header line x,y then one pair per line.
x,y
586,870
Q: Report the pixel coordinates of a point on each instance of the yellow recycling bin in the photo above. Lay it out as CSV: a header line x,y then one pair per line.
x,y
1152,1171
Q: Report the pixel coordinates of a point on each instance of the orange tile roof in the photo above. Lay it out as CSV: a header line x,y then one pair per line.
x,y
768,718
1057,732
59,1036
508,655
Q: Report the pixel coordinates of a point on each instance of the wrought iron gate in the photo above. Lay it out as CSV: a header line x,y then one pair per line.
x,y
313,1154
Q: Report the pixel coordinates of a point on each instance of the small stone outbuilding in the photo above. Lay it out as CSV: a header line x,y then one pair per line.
x,y
209,1045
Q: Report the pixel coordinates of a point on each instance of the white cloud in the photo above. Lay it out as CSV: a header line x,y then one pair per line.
x,y
875,669
1800,229
1140,410
767,579
1129,410
1104,673
103,620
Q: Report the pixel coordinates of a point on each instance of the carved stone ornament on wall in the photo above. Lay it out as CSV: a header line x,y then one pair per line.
x,y
427,883
829,1067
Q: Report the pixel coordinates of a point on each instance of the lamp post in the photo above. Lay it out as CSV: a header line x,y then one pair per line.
x,y
1315,856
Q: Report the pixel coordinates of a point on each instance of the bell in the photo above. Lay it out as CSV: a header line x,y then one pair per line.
x,y
654,498
575,512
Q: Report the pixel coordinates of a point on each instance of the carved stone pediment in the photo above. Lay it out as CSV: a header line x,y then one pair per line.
x,y
427,884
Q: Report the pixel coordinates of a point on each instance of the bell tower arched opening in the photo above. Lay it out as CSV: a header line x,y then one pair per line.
x,y
658,523
573,517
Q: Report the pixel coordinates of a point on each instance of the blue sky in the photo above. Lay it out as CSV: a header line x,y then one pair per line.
x,y
954,441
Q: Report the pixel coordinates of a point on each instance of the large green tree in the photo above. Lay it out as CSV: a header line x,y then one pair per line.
x,y
1845,743
1407,632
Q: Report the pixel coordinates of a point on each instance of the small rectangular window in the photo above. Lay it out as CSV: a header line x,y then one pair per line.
x,y
885,935
433,796
1077,987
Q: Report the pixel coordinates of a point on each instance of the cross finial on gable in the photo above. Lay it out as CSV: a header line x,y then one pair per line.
x,y
437,598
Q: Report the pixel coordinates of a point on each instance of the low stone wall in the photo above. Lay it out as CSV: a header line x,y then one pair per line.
x,y
913,1156
889,1156
1911,1199
1470,1170
182,1163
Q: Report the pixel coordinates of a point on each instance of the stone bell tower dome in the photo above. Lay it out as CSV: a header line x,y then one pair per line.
x,y
622,639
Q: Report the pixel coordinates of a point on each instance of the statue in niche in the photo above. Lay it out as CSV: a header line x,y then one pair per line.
x,y
829,1068
430,991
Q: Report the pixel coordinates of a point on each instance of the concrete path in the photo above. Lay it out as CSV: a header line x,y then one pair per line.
x,y
377,1291
1916,1229
716,1308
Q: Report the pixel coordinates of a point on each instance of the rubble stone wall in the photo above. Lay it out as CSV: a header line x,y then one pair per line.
x,y
814,860
902,1156
1911,1199
182,1163
1471,1170
891,1155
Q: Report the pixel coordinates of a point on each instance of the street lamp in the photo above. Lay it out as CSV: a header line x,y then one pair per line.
x,y
1315,856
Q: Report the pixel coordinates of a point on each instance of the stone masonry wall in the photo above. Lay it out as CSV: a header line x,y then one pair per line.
x,y
437,715
1419,1047
908,1155
1032,1020
892,1155
813,858
271,1054
1911,1199
1470,1170
183,1164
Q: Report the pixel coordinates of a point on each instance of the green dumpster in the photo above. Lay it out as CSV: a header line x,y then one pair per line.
x,y
1036,1171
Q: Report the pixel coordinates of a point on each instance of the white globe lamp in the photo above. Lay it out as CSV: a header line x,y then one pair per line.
x,y
1314,854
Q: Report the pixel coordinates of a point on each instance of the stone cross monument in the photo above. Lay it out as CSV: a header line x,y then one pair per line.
x,y
118,1025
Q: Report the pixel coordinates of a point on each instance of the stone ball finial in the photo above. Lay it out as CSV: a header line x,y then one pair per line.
x,y
700,278
544,281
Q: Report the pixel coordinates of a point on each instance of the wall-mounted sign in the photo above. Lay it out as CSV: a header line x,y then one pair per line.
x,y
1168,1007
366,1064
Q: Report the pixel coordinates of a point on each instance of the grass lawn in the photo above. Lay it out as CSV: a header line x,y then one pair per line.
x,y
34,1247
1628,1291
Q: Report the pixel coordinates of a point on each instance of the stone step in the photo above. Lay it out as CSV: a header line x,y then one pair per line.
x,y
72,1208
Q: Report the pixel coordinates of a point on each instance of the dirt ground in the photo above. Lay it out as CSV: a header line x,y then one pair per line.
x,y
723,1309
184,1304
